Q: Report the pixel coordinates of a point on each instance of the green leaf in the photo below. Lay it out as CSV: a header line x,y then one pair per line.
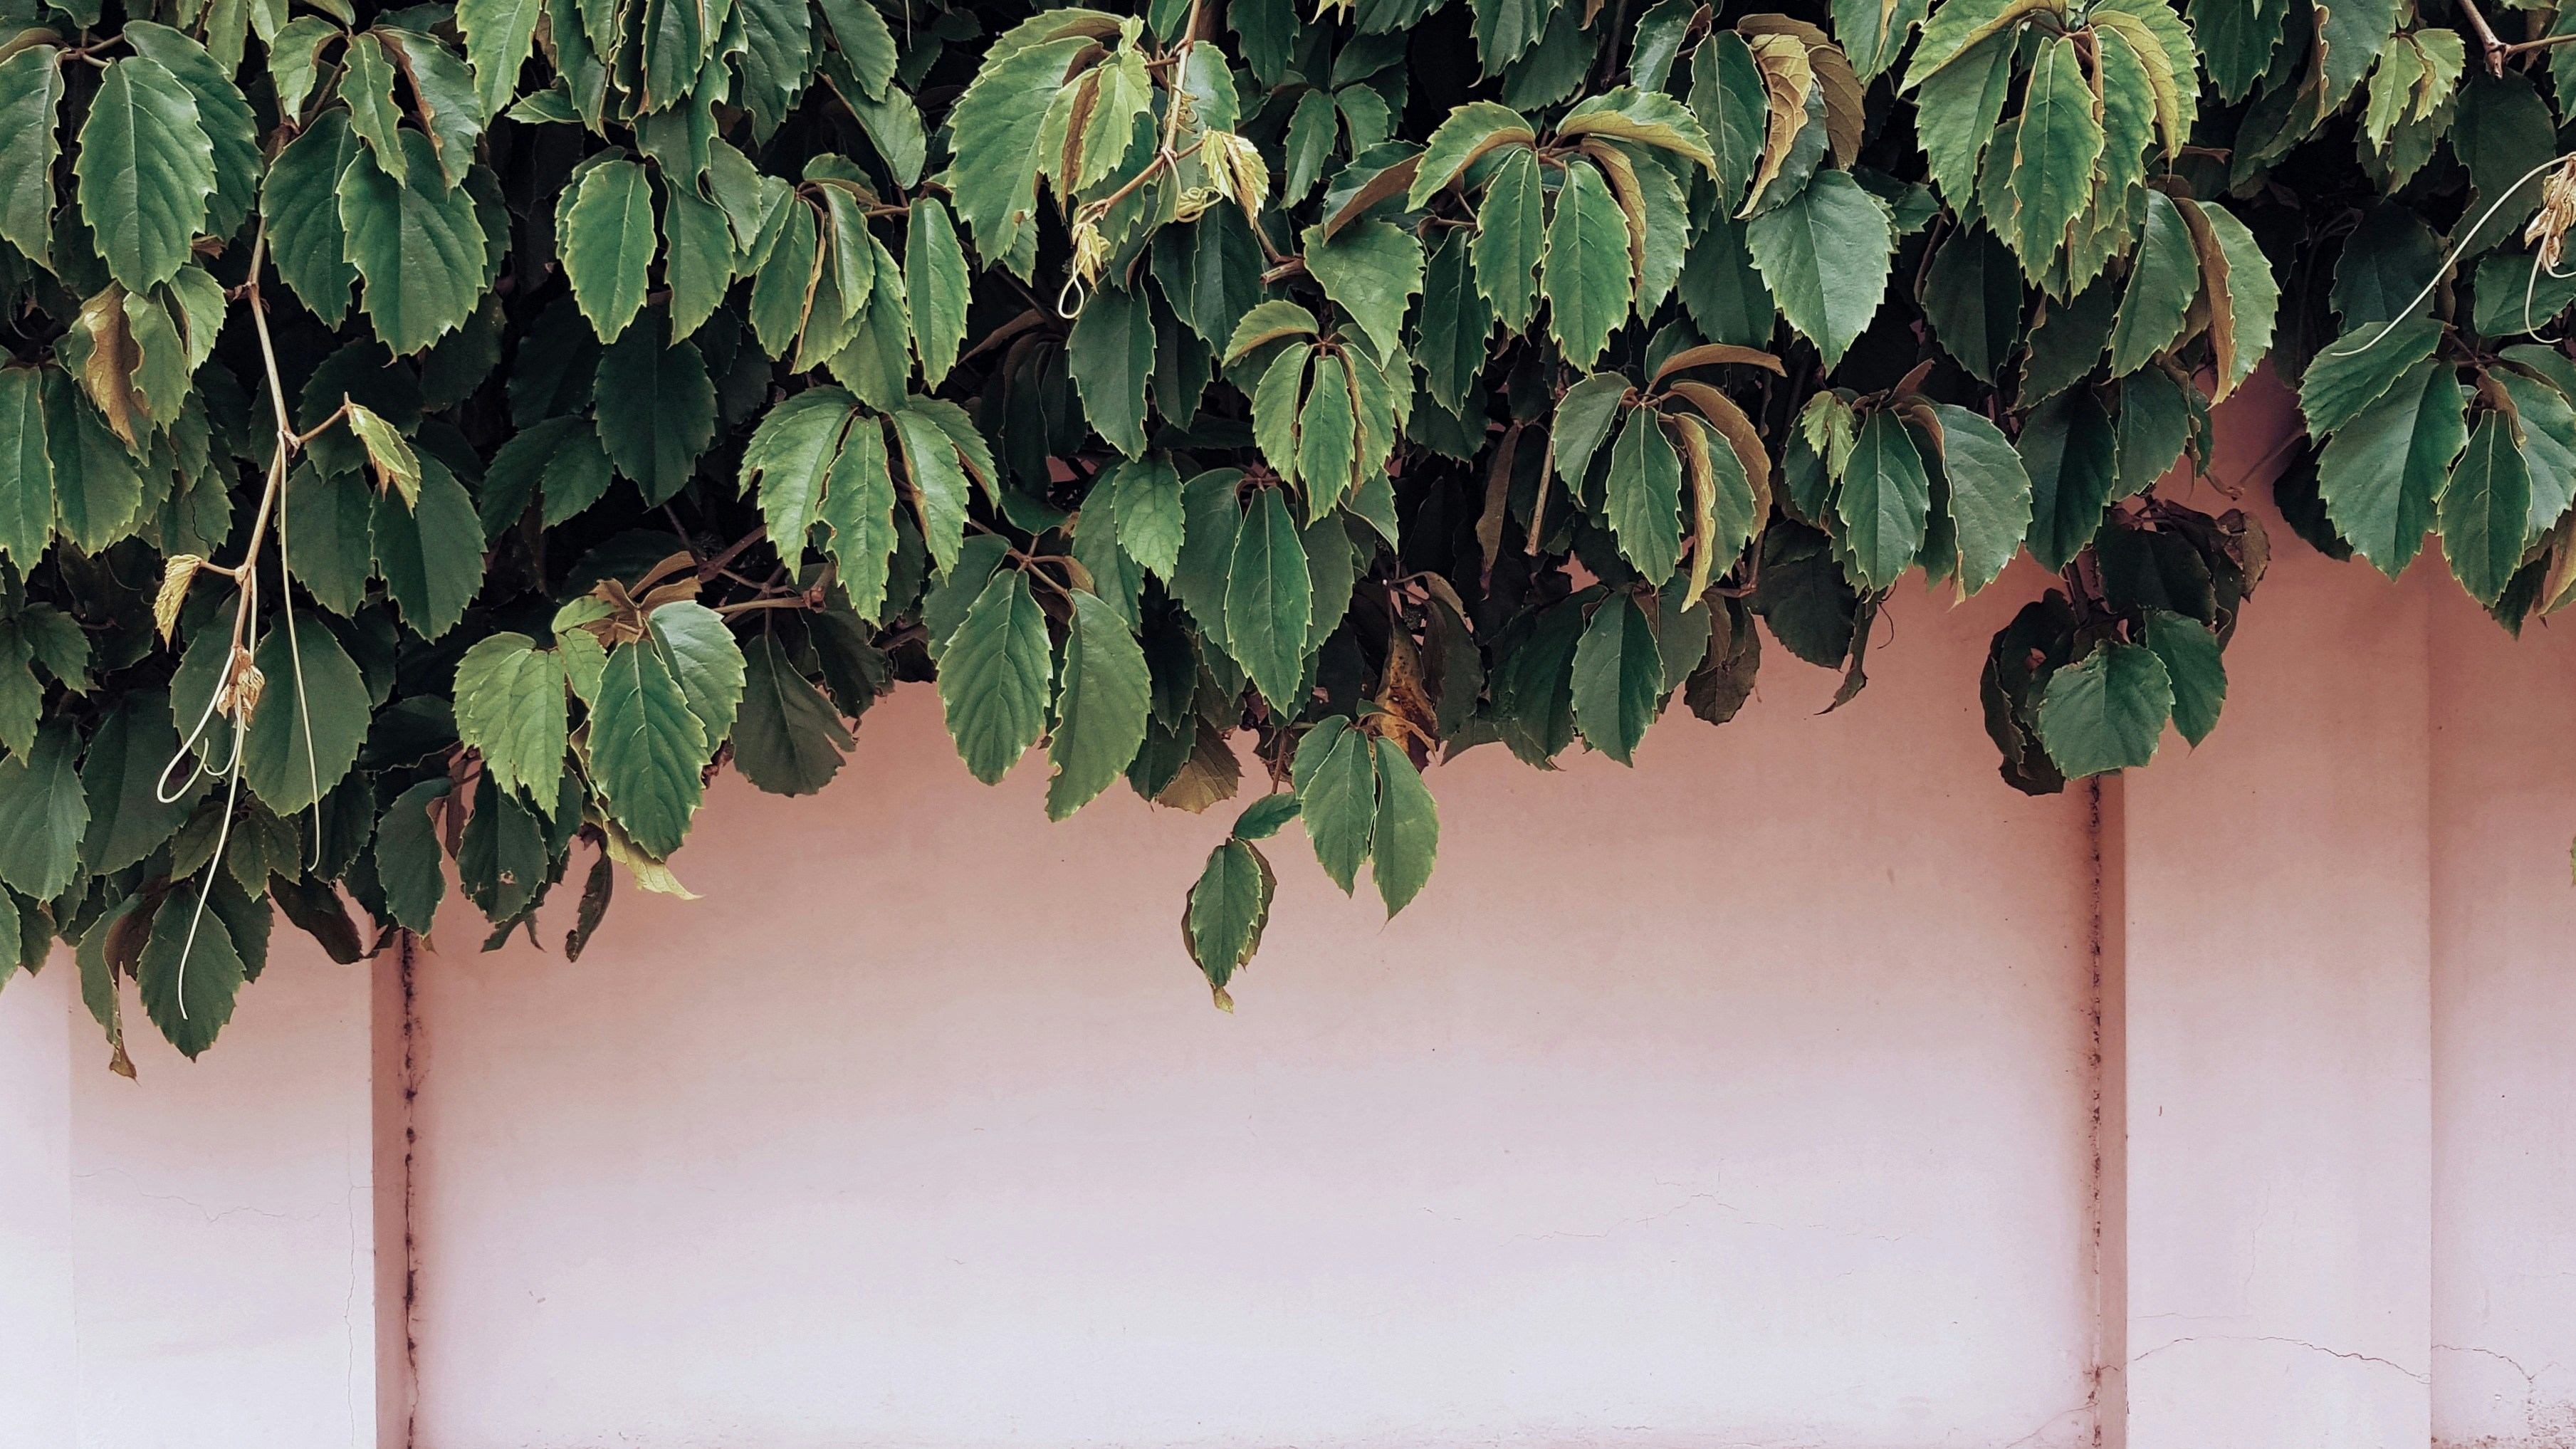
x,y
395,466
311,718
2105,712
2483,510
1210,270
1100,711
1263,817
2360,369
2380,472
329,522
1111,354
698,258
657,411
935,281
510,707
1337,798
1618,677
2252,296
608,244
189,972
26,469
2162,283
1511,236
998,132
2190,655
1327,436
647,748
300,199
788,458
1311,129
1408,830
1645,492
1372,271
2060,141
1268,602
1455,325
31,90
1222,920
1588,279
2071,454
146,170
497,35
1146,497
44,812
367,85
704,658
2548,444
418,244
1726,94
1957,110
121,779
930,458
789,740
1886,500
859,507
1825,254
2151,431
993,677
431,554
407,857
1466,134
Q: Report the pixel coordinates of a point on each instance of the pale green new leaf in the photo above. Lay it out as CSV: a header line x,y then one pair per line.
x,y
510,706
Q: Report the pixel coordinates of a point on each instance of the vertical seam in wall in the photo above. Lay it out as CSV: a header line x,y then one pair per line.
x,y
411,1247
2096,1058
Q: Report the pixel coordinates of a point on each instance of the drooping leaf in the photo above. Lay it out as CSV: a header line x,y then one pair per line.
x,y
1645,494
1408,830
1885,501
2069,450
1589,281
44,813
1618,678
1100,711
657,410
146,170
789,740
417,243
647,747
2105,711
2380,472
1825,255
311,718
993,677
510,706
2483,508
2191,659
1269,600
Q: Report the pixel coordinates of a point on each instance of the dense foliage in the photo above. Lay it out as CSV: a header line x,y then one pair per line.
x,y
436,439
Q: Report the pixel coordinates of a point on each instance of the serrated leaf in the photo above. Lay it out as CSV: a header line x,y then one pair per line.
x,y
2237,280
608,244
2380,472
859,505
2163,280
430,553
26,470
418,244
1618,676
2068,448
2483,508
311,718
1146,497
647,748
1645,491
993,677
367,88
1222,919
789,740
1100,711
1111,355
31,89
939,483
2192,664
704,658
935,282
1467,133
2057,146
1989,494
1510,239
1825,255
2151,431
300,199
1588,277
189,971
657,411
1372,271
1885,501
1408,830
997,131
510,706
789,457
407,857
1327,436
2105,711
146,170
44,812
1337,798
497,36
1269,601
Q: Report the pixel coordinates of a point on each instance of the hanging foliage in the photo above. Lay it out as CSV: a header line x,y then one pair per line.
x,y
434,440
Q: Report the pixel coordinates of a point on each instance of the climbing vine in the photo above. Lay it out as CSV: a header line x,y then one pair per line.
x,y
435,440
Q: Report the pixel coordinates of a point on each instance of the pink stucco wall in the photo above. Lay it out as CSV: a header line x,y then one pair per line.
x,y
1801,1087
